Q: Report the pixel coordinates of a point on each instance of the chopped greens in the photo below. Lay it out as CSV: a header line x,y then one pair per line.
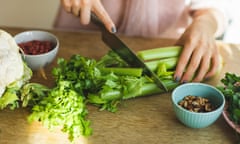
x,y
231,91
63,107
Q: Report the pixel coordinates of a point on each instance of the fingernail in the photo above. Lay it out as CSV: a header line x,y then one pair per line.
x,y
113,30
206,78
177,79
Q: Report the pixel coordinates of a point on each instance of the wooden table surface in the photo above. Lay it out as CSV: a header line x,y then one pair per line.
x,y
145,120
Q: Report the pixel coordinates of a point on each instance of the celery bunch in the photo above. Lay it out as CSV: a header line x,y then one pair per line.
x,y
124,82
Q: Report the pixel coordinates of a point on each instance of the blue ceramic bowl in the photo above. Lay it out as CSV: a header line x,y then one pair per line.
x,y
197,119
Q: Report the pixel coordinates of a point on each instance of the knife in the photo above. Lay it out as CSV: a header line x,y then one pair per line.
x,y
125,53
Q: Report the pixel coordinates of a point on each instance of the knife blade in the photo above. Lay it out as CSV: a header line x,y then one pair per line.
x,y
112,41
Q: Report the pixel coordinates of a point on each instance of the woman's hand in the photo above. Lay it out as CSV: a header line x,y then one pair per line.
x,y
200,58
83,9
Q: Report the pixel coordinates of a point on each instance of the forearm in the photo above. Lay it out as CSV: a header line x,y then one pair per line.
x,y
212,18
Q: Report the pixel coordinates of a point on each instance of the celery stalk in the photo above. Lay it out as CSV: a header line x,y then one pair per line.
x,y
123,71
111,95
146,89
109,100
159,53
170,63
152,88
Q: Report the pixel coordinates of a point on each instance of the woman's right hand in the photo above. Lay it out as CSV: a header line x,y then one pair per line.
x,y
83,9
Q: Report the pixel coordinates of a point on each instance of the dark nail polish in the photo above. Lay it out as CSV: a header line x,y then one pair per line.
x,y
177,79
206,78
113,30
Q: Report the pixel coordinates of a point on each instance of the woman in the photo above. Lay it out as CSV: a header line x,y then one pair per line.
x,y
194,23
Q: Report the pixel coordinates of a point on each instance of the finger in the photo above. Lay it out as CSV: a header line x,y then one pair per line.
x,y
203,69
192,67
183,62
76,7
101,13
67,5
215,64
85,12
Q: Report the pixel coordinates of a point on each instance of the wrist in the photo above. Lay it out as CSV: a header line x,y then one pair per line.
x,y
210,18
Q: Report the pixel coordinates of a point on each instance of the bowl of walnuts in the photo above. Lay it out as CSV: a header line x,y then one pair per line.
x,y
197,105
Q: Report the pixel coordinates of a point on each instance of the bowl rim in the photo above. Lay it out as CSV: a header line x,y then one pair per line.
x,y
38,31
220,108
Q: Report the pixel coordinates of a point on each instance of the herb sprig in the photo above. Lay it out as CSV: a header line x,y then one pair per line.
x,y
231,91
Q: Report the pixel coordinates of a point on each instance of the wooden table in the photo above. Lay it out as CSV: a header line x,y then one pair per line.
x,y
145,120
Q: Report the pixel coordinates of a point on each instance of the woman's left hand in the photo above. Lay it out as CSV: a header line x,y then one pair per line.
x,y
200,58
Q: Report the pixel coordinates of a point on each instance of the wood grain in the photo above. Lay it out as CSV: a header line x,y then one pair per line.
x,y
145,120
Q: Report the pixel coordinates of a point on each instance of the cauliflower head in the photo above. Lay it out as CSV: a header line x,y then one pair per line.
x,y
11,64
14,72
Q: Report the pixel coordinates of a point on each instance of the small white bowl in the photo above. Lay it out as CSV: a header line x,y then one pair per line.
x,y
38,61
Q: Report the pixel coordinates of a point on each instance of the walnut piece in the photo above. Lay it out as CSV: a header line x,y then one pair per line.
x,y
196,104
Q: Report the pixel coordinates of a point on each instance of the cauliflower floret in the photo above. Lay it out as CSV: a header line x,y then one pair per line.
x,y
11,64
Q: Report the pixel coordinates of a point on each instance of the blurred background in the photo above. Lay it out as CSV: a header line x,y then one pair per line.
x,y
28,13
41,14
